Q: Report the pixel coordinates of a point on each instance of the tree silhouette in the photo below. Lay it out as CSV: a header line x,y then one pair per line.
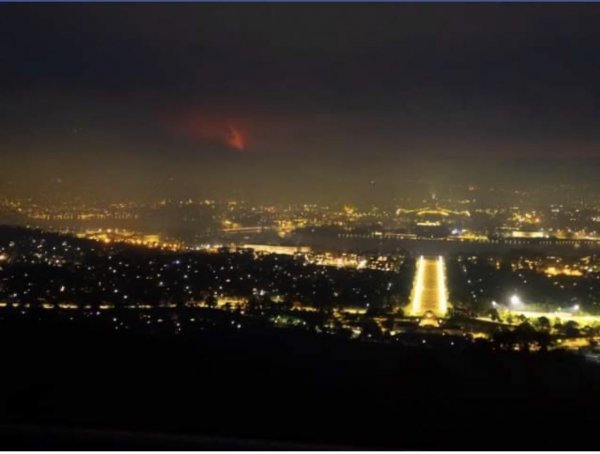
x,y
211,301
571,328
543,323
494,315
525,335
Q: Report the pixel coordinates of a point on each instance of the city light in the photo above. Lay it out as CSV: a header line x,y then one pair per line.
x,y
429,294
418,286
299,210
441,285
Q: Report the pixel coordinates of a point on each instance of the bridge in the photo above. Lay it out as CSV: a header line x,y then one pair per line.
x,y
429,292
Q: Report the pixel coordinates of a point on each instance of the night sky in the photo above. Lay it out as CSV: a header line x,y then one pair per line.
x,y
295,101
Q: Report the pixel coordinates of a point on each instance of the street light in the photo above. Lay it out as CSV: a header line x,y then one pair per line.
x,y
515,300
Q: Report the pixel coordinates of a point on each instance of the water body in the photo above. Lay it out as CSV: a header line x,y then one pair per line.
x,y
436,246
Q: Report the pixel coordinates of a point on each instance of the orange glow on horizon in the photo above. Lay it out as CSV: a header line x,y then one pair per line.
x,y
205,128
235,138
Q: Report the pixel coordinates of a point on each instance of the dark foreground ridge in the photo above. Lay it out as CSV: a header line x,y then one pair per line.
x,y
280,388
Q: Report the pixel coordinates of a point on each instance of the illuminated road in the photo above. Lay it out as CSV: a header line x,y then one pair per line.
x,y
429,291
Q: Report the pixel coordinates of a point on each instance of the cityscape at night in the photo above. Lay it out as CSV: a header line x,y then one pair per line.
x,y
299,226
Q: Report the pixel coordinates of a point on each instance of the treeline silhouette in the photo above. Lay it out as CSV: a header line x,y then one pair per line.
x,y
288,385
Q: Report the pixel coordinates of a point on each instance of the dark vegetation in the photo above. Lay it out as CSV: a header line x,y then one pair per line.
x,y
289,386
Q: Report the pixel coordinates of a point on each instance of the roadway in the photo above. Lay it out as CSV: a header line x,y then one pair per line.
x,y
429,291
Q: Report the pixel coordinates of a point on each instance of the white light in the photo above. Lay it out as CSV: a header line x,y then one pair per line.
x,y
515,300
494,303
576,307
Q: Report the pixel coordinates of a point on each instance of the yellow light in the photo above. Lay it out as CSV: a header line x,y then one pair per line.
x,y
418,286
441,285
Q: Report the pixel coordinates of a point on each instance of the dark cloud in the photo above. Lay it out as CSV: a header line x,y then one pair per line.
x,y
336,92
